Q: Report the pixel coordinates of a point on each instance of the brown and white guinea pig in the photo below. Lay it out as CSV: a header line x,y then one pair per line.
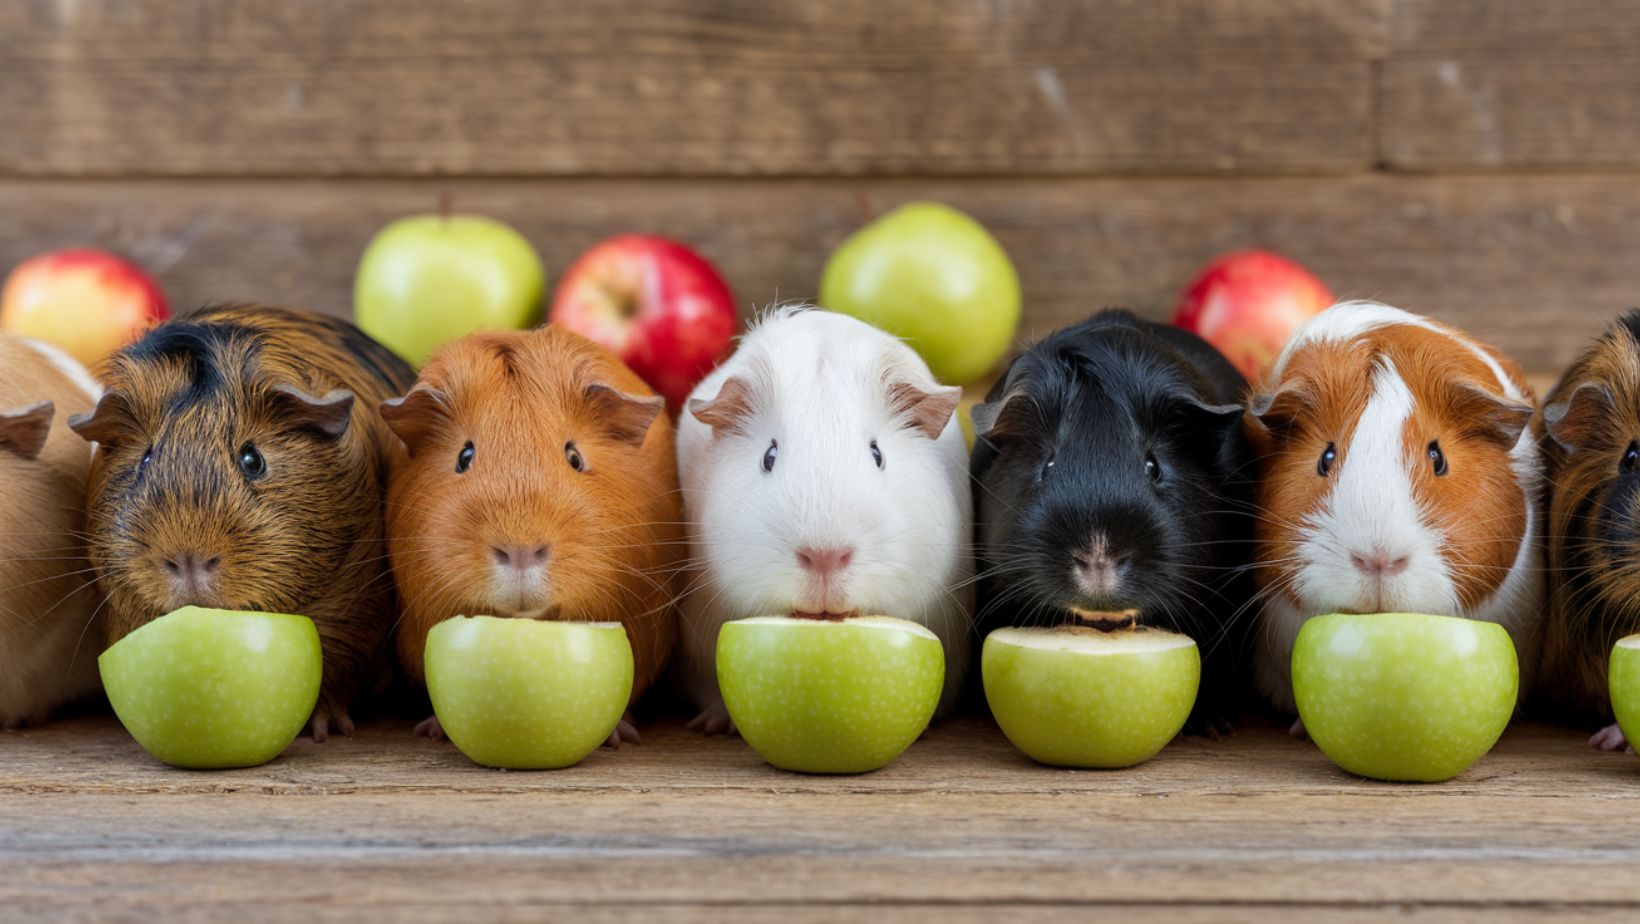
x,y
49,630
541,484
241,464
1591,449
824,473
1397,472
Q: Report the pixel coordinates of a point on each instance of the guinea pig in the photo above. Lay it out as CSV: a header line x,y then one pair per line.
x,y
1112,480
1397,473
49,625
241,464
541,483
1591,451
824,474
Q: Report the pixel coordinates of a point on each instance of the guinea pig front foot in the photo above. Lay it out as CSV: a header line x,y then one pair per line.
x,y
713,720
625,733
329,716
1211,727
431,728
1297,730
1610,738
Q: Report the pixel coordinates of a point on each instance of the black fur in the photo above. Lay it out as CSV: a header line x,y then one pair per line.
x,y
1099,399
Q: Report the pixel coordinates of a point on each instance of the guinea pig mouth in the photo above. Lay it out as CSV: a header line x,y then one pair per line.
x,y
1105,621
825,616
545,613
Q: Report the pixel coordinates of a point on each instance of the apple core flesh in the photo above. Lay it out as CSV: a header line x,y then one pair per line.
x,y
819,696
1404,696
210,689
1624,678
1075,696
527,694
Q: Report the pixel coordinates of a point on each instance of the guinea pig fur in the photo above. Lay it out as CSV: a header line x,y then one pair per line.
x,y
1112,476
824,473
50,631
1397,473
241,464
541,484
1591,449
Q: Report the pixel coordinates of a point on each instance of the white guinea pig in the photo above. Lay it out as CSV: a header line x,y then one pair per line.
x,y
1397,473
824,473
48,646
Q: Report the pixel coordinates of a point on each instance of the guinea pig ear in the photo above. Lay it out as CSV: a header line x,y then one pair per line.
x,y
1490,416
1277,410
328,416
624,417
727,412
1217,416
1012,416
413,417
24,432
927,410
1571,422
106,422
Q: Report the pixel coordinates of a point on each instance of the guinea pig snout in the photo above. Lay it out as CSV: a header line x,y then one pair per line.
x,y
1098,568
193,576
520,584
1379,563
824,562
521,559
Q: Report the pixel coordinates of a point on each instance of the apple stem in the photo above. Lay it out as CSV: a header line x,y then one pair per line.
x,y
444,202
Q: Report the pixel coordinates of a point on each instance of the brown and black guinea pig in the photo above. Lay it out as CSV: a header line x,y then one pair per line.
x,y
241,464
541,484
1591,446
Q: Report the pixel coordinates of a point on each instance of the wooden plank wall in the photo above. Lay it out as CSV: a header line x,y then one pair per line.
x,y
1473,159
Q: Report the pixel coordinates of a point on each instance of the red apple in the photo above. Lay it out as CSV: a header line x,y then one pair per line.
x,y
653,302
1248,303
87,302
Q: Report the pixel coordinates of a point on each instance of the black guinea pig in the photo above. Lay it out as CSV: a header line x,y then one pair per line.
x,y
1112,484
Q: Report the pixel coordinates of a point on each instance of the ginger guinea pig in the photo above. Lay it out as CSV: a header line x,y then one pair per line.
x,y
1591,449
824,473
541,484
50,632
1397,474
241,464
1112,477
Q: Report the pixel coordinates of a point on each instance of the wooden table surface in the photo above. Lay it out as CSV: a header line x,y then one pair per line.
x,y
962,827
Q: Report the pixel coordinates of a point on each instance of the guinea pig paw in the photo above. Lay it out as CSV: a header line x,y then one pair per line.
x,y
1610,738
328,716
1297,730
713,720
431,728
625,733
1211,727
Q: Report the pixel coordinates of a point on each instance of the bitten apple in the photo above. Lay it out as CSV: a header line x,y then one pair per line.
x,y
659,306
210,689
528,694
823,696
429,279
1248,303
1075,696
86,302
1624,677
1404,696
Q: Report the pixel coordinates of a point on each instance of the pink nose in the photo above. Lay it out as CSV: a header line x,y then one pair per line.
x,y
1379,564
824,562
521,557
1097,571
191,572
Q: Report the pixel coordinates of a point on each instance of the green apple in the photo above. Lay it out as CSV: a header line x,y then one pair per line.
x,y
1075,696
822,696
1624,677
934,277
430,279
1404,696
203,688
528,694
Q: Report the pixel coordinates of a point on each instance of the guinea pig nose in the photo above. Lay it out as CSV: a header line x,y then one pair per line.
x,y
521,557
1378,563
824,561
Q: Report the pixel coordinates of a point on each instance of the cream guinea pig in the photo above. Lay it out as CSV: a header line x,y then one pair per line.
x,y
824,473
1397,474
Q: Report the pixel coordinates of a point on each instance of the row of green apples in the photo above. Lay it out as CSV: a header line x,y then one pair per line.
x,y
925,272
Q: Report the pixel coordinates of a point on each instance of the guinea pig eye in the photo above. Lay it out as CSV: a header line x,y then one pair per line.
x,y
574,458
1047,469
464,459
1328,457
1631,458
876,454
1437,458
770,454
1153,468
251,463
147,457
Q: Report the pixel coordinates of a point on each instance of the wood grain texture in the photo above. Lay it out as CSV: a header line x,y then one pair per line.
x,y
1257,824
684,87
1512,83
1535,264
